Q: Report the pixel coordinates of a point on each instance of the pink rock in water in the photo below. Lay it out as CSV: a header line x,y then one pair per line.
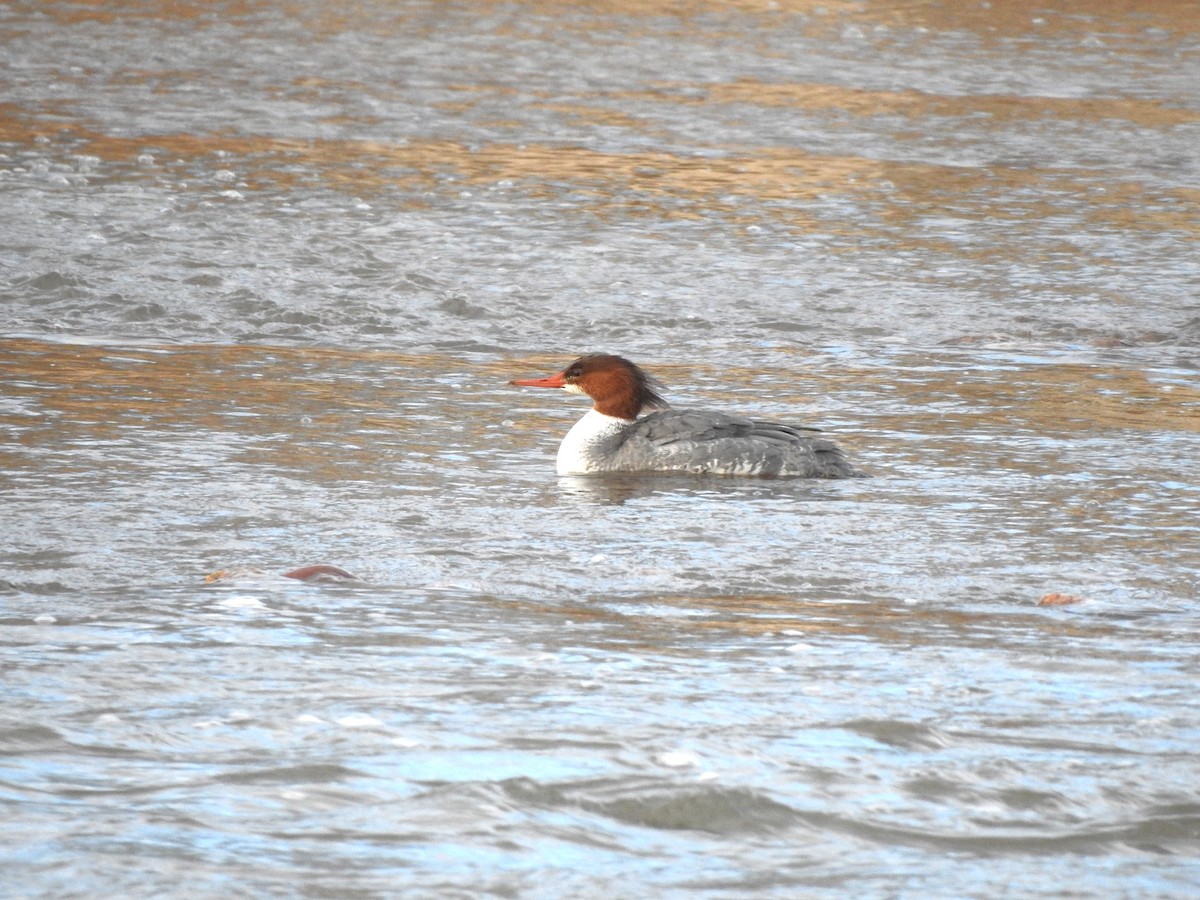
x,y
308,573
319,572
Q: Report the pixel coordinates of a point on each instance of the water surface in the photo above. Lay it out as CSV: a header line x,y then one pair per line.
x,y
266,270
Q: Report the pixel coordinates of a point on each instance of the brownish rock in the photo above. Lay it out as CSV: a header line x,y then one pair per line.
x,y
1057,599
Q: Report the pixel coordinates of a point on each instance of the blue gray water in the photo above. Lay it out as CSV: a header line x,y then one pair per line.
x,y
265,272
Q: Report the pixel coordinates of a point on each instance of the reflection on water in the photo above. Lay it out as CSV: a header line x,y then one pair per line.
x,y
547,175
266,271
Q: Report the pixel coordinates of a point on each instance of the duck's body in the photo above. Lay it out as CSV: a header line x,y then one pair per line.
x,y
614,437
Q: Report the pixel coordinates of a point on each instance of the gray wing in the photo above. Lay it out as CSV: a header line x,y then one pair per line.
x,y
692,440
664,428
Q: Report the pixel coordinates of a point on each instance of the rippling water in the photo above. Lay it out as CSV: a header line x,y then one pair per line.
x,y
266,270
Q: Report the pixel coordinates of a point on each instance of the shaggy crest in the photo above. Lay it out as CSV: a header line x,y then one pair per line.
x,y
618,387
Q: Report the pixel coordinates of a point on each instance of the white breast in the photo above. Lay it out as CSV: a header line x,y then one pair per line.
x,y
589,441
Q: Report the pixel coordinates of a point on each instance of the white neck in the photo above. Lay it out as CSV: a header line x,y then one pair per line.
x,y
587,443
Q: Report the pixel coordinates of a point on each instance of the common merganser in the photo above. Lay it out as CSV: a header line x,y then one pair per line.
x,y
612,438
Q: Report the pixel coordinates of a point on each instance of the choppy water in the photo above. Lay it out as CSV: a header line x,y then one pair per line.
x,y
266,272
